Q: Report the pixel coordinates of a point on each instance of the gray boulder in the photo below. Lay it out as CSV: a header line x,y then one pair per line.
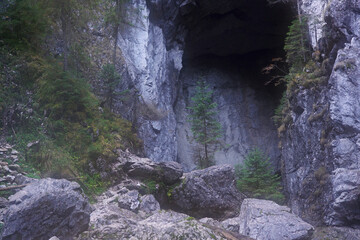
x,y
128,199
47,208
266,220
144,168
149,204
346,185
210,192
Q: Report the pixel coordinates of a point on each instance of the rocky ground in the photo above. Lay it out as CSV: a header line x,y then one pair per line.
x,y
50,208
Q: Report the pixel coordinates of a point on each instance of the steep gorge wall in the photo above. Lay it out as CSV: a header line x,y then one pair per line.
x,y
321,150
227,45
153,69
174,42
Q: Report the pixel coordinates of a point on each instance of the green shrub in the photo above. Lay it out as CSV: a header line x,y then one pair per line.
x,y
151,186
255,177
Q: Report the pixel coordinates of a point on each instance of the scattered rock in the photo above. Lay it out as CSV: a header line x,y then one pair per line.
x,y
149,204
14,152
347,233
231,224
9,178
54,238
47,208
210,192
21,179
266,220
31,144
15,167
129,199
6,169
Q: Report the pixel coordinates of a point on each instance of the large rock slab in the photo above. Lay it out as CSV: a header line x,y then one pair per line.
x,y
210,192
346,207
47,208
145,169
266,220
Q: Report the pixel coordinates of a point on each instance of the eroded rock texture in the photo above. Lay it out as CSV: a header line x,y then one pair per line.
x,y
321,147
171,44
227,45
210,192
111,220
265,220
47,208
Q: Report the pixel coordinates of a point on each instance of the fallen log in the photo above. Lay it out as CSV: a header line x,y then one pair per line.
x,y
13,187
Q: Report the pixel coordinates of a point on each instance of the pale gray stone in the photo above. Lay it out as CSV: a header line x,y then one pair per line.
x,y
266,220
46,208
149,204
129,200
210,192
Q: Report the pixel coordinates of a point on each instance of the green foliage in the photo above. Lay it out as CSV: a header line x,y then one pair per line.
x,y
64,96
51,104
94,184
111,79
24,24
151,186
296,45
256,178
205,128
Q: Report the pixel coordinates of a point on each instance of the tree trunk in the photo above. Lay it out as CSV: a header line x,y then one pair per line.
x,y
116,30
301,30
64,28
206,146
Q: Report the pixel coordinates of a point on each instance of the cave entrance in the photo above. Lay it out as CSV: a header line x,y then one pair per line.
x,y
228,44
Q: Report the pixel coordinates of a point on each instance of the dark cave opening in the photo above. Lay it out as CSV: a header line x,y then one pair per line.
x,y
243,33
229,43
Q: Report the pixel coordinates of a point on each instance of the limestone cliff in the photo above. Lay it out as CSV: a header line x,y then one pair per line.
x,y
320,149
174,43
178,42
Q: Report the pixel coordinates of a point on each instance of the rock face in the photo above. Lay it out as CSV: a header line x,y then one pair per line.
x,y
265,220
158,52
47,208
320,149
210,192
244,112
153,68
227,47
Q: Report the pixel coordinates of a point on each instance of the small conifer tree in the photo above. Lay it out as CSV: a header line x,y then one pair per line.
x,y
204,127
111,79
296,44
256,177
